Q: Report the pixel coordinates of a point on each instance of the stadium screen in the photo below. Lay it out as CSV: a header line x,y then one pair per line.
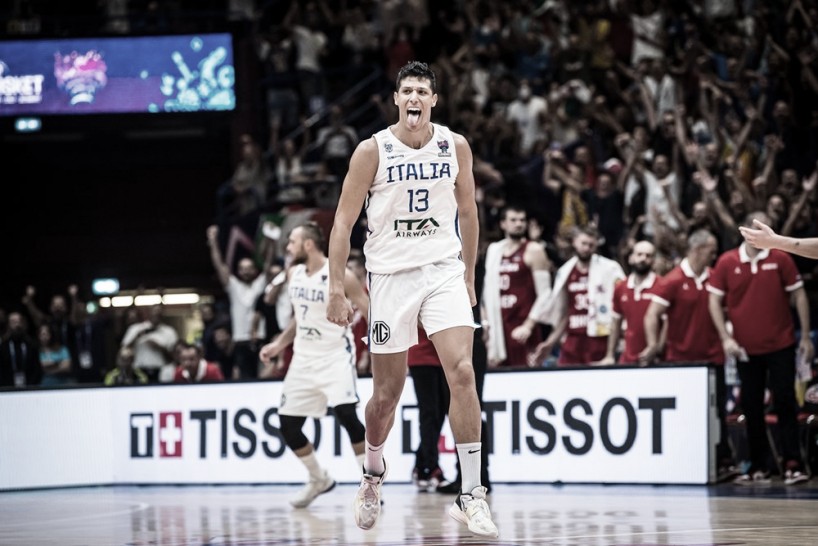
x,y
155,74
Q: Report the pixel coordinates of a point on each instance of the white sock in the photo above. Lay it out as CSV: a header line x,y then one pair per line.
x,y
311,462
374,459
470,460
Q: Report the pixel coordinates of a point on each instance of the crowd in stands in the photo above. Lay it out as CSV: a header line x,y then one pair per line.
x,y
624,120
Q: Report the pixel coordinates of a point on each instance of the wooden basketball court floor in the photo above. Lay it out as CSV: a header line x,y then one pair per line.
x,y
545,514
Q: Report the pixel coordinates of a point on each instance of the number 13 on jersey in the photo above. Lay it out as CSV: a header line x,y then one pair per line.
x,y
418,200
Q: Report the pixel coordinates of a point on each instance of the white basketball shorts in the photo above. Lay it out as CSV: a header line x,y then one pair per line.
x,y
435,294
314,384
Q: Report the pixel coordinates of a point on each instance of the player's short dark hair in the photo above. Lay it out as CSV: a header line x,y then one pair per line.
x,y
509,208
419,70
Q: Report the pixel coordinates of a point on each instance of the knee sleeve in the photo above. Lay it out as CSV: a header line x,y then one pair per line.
x,y
291,430
348,417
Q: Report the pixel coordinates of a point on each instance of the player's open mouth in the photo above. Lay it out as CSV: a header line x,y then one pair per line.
x,y
413,116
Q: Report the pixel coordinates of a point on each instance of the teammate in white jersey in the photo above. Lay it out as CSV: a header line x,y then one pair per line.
x,y
416,179
322,373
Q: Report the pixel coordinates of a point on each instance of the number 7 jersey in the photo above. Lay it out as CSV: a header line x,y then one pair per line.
x,y
411,208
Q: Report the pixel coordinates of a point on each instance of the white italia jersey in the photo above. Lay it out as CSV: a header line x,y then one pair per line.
x,y
411,209
315,336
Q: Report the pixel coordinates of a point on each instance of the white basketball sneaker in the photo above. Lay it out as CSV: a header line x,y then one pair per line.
x,y
472,510
313,488
367,504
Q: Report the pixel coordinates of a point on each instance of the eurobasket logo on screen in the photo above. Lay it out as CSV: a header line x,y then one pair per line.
x,y
20,89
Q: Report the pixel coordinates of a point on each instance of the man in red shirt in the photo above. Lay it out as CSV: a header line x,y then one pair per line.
x,y
758,284
632,296
194,369
692,337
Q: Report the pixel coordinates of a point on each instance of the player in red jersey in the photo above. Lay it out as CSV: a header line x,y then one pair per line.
x,y
753,284
517,273
580,305
632,296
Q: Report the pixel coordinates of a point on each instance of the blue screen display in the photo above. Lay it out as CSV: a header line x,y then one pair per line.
x,y
155,74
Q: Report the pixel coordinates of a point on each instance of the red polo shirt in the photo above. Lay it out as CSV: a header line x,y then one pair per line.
x,y
630,303
207,372
757,297
691,335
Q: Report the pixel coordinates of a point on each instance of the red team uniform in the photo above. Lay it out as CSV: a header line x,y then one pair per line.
x,y
517,296
750,292
630,303
578,347
691,335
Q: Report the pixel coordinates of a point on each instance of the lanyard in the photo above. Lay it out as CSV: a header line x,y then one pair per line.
x,y
13,354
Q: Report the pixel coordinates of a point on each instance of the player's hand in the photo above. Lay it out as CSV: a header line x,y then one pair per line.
x,y
761,237
648,355
521,333
731,347
536,358
339,310
268,352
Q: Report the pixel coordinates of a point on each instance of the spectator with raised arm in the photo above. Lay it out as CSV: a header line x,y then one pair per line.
x,y
243,289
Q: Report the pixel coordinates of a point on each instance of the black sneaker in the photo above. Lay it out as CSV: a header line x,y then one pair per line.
x,y
448,488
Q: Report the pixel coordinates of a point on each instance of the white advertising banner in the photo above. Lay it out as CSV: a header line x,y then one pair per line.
x,y
604,425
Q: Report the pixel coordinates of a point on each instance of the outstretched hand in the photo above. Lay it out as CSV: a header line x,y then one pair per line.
x,y
762,237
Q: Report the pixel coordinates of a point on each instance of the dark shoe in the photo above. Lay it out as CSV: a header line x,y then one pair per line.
x,y
427,480
727,473
449,488
453,488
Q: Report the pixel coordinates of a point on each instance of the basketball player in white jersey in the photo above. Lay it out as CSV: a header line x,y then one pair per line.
x,y
322,372
415,179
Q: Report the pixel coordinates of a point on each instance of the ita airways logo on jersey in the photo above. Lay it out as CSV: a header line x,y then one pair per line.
x,y
415,227
380,333
444,148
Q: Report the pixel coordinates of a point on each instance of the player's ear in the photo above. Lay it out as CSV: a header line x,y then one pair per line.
x,y
395,98
434,100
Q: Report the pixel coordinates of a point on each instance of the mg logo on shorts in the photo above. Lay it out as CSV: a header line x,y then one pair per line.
x,y
380,332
